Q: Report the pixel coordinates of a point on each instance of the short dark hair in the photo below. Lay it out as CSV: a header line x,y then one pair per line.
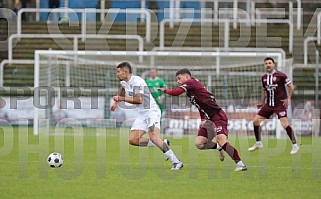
x,y
125,65
269,58
183,71
154,68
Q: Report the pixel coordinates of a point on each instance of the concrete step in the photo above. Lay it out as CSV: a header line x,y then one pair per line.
x,y
24,49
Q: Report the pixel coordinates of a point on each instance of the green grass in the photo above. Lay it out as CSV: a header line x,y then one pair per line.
x,y
107,167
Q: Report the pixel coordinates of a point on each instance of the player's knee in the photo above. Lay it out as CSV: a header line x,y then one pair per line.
x,y
133,141
256,122
151,128
284,125
221,139
154,139
221,142
199,144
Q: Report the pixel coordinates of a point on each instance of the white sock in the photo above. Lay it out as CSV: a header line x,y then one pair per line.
x,y
240,163
218,147
170,154
296,144
259,142
150,143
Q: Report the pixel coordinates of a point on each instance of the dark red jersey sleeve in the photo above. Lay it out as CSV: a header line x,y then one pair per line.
x,y
175,91
189,85
285,79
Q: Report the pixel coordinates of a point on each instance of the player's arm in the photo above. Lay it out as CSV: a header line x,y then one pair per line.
x,y
287,101
203,119
161,96
162,85
290,90
137,99
115,104
121,92
173,92
263,97
138,94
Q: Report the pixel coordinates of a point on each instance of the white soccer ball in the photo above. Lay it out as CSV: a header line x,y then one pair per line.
x,y
55,160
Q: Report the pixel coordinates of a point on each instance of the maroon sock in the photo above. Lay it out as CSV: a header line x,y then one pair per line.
x,y
231,151
290,133
257,133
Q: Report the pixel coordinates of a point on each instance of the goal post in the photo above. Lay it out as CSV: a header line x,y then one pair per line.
x,y
91,75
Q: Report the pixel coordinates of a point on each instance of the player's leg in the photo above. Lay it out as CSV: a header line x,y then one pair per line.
x,y
136,138
264,113
153,123
285,123
256,124
138,129
231,151
202,143
154,133
204,139
205,136
220,120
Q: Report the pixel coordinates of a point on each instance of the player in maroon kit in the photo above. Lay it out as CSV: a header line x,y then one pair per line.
x,y
214,120
278,99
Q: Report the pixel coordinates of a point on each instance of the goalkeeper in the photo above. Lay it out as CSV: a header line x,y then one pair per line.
x,y
154,82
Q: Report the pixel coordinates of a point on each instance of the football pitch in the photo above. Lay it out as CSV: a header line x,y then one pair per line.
x,y
105,166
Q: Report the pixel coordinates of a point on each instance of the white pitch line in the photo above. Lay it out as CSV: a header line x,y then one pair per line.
x,y
116,163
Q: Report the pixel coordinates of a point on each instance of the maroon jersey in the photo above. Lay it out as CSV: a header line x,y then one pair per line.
x,y
274,84
201,97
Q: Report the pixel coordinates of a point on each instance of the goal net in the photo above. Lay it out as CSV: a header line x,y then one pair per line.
x,y
76,88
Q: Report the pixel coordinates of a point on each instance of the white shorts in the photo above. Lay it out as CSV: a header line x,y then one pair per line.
x,y
146,120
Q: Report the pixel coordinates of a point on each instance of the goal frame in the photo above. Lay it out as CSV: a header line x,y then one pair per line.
x,y
38,53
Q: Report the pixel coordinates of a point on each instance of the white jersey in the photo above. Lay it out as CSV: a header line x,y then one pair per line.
x,y
138,85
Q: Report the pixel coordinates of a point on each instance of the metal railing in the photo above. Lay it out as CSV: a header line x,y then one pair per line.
x,y
230,49
75,38
228,13
299,12
226,27
175,10
6,61
319,28
83,13
305,47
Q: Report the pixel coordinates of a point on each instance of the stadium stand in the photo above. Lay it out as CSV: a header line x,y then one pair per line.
x,y
15,75
25,47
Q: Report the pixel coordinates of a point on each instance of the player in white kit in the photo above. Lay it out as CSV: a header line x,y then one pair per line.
x,y
134,90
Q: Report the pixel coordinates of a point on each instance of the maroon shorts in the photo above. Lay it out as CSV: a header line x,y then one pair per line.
x,y
266,111
217,125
